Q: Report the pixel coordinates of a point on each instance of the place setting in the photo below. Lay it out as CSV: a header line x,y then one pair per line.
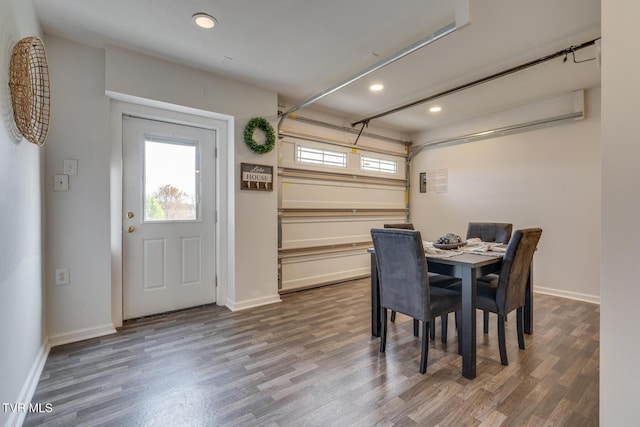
x,y
477,246
451,245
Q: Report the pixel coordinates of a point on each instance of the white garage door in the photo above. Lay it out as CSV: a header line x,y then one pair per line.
x,y
331,194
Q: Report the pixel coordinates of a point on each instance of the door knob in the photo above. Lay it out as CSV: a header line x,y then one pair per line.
x,y
131,228
130,215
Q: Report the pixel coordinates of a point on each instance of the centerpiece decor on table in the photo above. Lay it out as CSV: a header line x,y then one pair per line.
x,y
449,241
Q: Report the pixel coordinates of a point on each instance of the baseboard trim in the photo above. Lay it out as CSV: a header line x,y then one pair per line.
x,y
594,299
81,334
30,384
256,302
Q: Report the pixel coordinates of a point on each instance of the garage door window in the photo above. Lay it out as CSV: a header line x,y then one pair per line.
x,y
378,165
318,156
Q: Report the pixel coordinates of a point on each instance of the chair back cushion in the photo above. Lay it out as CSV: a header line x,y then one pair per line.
x,y
402,271
515,269
499,232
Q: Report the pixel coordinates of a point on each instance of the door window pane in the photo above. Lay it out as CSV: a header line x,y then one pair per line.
x,y
171,184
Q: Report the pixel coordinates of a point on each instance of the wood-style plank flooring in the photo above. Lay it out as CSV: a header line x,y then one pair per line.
x,y
310,360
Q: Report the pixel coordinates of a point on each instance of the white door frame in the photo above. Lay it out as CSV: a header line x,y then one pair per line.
x,y
122,104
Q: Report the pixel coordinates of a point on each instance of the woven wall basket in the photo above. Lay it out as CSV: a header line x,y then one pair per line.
x,y
29,85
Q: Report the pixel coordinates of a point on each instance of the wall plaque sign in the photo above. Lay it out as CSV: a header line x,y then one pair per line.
x,y
256,177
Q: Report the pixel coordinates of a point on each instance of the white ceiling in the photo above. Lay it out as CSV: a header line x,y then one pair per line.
x,y
300,48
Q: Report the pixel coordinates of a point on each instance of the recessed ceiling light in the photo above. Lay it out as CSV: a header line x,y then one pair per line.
x,y
376,87
435,109
204,20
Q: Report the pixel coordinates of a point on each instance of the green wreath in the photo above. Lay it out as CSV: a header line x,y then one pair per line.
x,y
270,138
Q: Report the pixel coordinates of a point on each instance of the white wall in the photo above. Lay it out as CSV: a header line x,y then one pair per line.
x,y
620,290
548,178
78,221
23,347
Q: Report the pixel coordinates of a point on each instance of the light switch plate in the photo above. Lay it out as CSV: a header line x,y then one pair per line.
x,y
70,167
60,182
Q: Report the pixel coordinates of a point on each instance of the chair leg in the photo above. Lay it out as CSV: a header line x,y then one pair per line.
x,y
519,324
425,347
416,328
432,329
444,322
383,333
485,317
502,345
393,316
459,329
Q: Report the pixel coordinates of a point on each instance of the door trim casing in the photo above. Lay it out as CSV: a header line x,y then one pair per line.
x,y
122,104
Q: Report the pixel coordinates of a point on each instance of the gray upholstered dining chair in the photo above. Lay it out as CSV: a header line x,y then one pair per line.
x,y
499,232
404,283
435,281
403,226
507,292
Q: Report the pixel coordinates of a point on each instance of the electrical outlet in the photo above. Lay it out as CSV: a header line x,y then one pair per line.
x,y
60,182
62,276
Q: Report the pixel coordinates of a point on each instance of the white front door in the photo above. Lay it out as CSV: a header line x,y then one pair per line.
x,y
169,216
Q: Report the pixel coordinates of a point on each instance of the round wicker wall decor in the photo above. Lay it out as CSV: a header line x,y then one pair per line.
x,y
29,85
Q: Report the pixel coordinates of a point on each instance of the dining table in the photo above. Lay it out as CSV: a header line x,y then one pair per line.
x,y
467,267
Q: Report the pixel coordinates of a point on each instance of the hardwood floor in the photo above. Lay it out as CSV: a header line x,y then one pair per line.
x,y
310,360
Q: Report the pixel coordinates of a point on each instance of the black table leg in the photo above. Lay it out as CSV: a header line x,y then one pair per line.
x,y
468,323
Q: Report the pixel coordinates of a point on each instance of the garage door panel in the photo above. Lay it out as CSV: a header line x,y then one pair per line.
x,y
309,271
288,157
313,232
324,195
